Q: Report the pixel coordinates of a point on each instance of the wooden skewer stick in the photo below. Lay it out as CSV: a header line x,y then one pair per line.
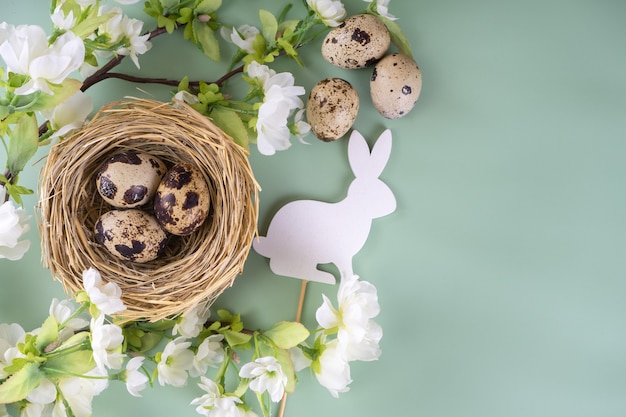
x,y
283,403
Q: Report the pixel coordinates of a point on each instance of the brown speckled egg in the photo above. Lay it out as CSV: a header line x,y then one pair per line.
x,y
182,200
360,41
129,179
131,235
395,85
332,108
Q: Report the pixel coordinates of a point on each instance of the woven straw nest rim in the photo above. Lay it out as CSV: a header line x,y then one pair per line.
x,y
195,269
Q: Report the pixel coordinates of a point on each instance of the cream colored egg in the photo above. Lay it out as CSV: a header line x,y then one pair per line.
x,y
332,108
359,41
182,200
129,179
395,85
131,235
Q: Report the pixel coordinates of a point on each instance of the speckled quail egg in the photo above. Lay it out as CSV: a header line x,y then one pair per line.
x,y
132,235
129,179
182,200
395,85
359,41
332,108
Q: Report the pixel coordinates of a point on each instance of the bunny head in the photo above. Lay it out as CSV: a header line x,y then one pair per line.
x,y
375,197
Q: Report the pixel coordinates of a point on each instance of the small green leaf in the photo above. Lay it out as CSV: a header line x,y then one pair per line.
x,y
23,143
235,339
207,6
149,341
49,333
289,370
287,334
397,36
206,40
232,125
269,25
75,339
20,384
88,26
4,112
79,362
61,92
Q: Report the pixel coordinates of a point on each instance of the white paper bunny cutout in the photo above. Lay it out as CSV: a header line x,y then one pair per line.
x,y
306,233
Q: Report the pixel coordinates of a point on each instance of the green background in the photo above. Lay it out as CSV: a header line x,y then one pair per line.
x,y
502,274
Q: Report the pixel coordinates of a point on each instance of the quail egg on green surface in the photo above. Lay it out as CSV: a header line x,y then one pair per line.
x,y
182,200
395,85
129,179
131,235
360,41
332,108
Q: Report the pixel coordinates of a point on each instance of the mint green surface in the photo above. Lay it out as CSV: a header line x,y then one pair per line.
x,y
502,274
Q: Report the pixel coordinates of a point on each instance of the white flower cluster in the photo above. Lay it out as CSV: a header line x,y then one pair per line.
x,y
357,334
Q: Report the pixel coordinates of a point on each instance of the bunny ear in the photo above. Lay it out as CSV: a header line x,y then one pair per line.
x,y
363,163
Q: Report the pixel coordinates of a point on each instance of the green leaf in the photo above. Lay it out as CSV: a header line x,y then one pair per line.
x,y
269,25
23,142
88,26
286,363
149,341
231,124
60,93
20,384
397,36
206,40
168,24
207,6
4,112
79,362
287,334
235,339
75,340
49,333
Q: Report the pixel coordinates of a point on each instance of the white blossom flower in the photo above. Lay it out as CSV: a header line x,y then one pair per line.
x,y
5,31
176,359
62,312
186,97
267,375
279,101
105,296
299,128
210,353
382,8
243,37
44,393
106,344
358,303
26,51
190,324
136,380
214,404
70,114
330,12
332,369
10,336
61,20
121,28
138,44
79,392
300,361
127,1
13,226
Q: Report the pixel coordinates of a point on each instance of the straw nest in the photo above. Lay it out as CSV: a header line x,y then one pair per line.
x,y
196,268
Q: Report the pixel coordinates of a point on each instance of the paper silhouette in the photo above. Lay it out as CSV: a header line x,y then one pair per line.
x,y
305,233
